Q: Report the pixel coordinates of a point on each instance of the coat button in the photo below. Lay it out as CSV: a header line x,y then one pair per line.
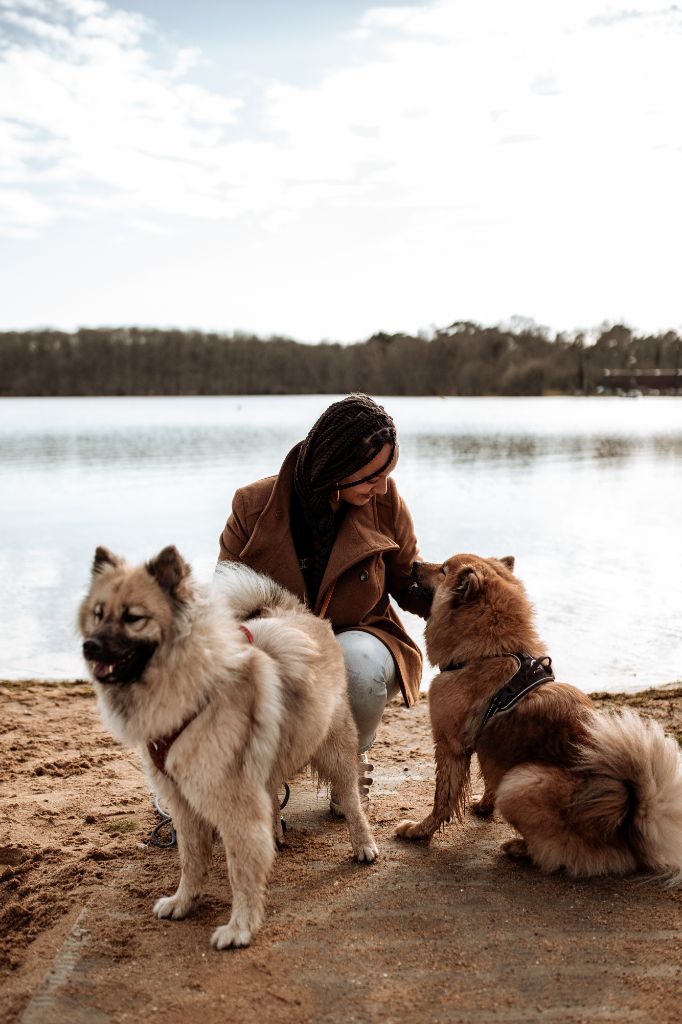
x,y
364,575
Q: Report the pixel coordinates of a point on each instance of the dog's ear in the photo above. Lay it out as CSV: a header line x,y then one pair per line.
x,y
169,569
104,561
509,561
468,586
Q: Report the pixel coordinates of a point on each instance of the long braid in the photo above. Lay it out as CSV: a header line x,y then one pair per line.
x,y
348,435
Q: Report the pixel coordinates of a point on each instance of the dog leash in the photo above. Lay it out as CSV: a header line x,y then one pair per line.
x,y
166,821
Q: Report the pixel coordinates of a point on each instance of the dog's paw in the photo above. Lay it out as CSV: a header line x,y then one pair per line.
x,y
482,808
412,830
516,848
230,936
368,852
172,906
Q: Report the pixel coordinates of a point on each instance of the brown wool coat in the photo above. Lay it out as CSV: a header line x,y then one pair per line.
x,y
371,560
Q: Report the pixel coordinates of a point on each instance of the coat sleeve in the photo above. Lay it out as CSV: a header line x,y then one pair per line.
x,y
399,563
235,535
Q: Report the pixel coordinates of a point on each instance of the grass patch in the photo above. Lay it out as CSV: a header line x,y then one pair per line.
x,y
118,826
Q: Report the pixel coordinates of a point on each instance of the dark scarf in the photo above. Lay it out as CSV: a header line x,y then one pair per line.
x,y
304,543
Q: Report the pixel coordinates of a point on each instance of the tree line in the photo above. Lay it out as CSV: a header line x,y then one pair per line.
x,y
462,359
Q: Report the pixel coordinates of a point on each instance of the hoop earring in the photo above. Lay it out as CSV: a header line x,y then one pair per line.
x,y
336,497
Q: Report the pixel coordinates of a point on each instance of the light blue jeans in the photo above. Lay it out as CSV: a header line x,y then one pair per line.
x,y
372,681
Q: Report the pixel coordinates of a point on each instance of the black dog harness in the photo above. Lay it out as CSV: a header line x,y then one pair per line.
x,y
530,673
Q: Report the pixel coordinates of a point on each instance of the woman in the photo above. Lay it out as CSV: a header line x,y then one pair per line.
x,y
331,527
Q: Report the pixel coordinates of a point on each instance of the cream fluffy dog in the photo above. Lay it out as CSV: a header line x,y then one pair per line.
x,y
227,693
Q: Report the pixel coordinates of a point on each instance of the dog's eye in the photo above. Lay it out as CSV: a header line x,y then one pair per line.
x,y
129,617
98,612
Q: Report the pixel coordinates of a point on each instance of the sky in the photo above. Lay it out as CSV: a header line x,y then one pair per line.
x,y
326,169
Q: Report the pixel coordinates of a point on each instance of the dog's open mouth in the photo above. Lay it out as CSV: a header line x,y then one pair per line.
x,y
101,670
128,668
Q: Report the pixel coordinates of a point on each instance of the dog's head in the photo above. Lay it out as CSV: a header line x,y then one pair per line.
x,y
128,612
478,607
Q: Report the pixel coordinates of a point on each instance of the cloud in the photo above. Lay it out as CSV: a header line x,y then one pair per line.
x,y
421,124
23,213
430,120
84,105
669,15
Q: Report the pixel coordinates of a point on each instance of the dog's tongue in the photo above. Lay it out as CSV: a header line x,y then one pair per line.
x,y
101,669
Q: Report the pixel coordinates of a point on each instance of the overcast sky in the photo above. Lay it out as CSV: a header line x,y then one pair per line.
x,y
329,168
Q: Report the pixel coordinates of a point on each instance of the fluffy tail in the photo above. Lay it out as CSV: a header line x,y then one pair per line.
x,y
248,594
636,752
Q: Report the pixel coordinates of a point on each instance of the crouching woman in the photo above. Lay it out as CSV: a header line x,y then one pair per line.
x,y
332,528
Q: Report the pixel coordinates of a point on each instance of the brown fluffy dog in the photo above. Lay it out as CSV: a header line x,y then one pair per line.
x,y
222,713
592,793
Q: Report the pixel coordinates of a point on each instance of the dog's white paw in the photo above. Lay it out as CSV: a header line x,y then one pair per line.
x,y
172,906
368,852
231,936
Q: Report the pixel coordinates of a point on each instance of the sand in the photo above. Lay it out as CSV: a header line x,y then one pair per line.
x,y
450,932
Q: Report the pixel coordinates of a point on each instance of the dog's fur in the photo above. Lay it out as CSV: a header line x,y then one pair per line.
x,y
589,792
160,650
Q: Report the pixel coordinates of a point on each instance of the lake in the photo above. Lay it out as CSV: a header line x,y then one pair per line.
x,y
585,492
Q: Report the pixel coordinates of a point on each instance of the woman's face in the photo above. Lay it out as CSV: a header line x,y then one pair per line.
x,y
360,494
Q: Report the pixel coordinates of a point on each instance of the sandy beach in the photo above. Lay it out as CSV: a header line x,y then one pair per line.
x,y
451,932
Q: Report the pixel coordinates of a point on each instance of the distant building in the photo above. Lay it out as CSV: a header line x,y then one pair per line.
x,y
657,382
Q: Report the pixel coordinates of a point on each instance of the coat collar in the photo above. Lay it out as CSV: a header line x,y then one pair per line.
x,y
359,536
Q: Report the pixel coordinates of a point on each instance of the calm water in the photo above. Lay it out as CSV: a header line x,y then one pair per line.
x,y
586,493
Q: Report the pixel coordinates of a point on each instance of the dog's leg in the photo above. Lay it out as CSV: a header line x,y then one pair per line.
x,y
547,806
490,777
195,839
484,807
337,762
250,852
449,801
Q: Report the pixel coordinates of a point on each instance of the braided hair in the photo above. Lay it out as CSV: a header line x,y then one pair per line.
x,y
348,435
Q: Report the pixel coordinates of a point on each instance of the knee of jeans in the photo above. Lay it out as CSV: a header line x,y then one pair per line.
x,y
369,666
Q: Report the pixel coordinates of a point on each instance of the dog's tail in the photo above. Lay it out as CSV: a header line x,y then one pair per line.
x,y
628,750
248,594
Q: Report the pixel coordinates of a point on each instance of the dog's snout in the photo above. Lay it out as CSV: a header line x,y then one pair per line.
x,y
93,649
